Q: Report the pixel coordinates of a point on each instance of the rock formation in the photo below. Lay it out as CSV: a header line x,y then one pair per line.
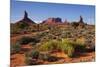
x,y
26,19
81,20
52,21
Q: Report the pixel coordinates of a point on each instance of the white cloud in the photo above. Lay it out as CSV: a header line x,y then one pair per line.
x,y
37,21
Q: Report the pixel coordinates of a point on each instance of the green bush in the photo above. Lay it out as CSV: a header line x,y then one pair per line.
x,y
34,54
70,52
75,24
18,28
28,58
30,61
43,57
47,57
14,29
50,45
80,45
23,25
26,40
52,58
67,47
62,45
32,57
15,48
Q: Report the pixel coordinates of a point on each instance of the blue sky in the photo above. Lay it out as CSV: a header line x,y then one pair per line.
x,y
39,11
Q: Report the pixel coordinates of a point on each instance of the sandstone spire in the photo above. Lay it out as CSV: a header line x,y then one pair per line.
x,y
26,19
81,19
25,14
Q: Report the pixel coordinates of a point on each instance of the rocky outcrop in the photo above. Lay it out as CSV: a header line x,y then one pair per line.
x,y
26,19
81,20
52,21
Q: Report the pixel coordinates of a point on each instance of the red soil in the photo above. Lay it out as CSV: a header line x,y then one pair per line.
x,y
19,59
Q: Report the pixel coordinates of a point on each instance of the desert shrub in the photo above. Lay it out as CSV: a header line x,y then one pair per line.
x,y
28,58
62,45
26,40
23,25
34,54
75,24
48,57
43,57
45,47
71,47
31,58
27,54
80,45
65,34
42,34
80,41
52,58
50,45
35,39
67,47
18,28
30,61
15,48
70,51
14,29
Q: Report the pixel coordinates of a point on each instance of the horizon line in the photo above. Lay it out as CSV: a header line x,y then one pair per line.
x,y
40,21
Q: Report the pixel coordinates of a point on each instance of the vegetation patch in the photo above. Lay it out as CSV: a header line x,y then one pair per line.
x,y
26,40
62,45
15,48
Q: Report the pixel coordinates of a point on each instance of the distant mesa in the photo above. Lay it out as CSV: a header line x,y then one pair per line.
x,y
26,19
52,21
